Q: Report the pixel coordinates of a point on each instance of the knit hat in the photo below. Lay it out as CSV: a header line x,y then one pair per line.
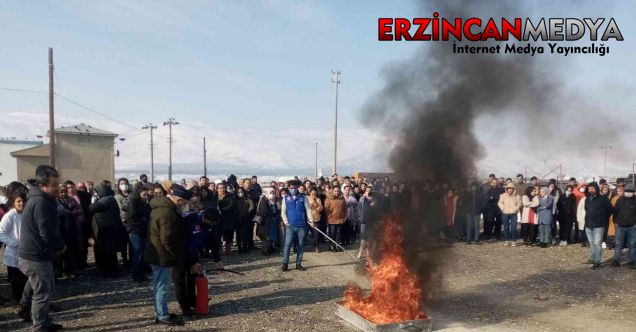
x,y
179,191
630,187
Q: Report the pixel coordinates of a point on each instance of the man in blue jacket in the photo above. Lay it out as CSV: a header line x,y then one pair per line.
x,y
296,214
40,242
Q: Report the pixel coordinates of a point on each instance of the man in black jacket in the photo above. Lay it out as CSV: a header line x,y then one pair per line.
x,y
40,242
492,213
597,212
625,221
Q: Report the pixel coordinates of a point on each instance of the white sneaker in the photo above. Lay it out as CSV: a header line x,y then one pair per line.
x,y
514,244
603,245
506,244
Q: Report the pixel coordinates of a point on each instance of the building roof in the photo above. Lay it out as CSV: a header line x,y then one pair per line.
x,y
13,140
43,150
83,129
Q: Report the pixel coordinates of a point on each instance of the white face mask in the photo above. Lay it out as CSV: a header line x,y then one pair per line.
x,y
271,196
582,190
240,195
123,187
629,194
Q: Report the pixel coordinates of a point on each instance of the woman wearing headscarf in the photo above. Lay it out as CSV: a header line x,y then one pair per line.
x,y
67,208
315,203
268,218
109,231
228,216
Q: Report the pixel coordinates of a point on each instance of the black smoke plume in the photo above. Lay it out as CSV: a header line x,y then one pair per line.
x,y
429,105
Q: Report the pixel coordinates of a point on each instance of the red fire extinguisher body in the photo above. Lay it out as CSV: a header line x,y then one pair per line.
x,y
201,306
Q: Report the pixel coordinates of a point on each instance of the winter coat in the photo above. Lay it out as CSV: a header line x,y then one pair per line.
x,y
529,205
509,204
611,229
166,245
267,216
597,211
229,217
244,209
10,236
580,213
492,199
316,207
110,233
472,202
68,224
254,192
352,209
336,208
40,237
365,206
122,203
138,215
625,211
566,209
544,210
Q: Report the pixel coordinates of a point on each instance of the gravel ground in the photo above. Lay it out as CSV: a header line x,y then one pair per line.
x,y
487,288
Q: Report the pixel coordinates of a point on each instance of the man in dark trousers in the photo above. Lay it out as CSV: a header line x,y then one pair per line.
x,y
40,242
625,220
597,212
492,213
166,250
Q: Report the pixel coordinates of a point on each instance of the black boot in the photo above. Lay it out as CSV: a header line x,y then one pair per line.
x,y
284,268
299,267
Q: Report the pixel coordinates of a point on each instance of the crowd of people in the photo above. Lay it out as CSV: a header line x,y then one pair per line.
x,y
165,229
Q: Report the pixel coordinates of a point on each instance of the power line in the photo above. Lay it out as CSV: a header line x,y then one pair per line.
x,y
24,90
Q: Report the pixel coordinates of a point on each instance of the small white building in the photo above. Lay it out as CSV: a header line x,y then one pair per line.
x,y
8,164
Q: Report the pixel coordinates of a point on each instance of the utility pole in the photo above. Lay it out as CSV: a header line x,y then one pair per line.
x,y
605,147
152,149
336,82
205,163
316,160
51,111
633,175
171,122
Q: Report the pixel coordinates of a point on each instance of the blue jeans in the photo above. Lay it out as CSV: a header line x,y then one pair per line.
x,y
625,234
545,232
161,278
138,244
292,234
472,227
335,232
595,237
510,226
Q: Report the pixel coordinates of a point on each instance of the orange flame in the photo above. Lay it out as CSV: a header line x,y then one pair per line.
x,y
395,293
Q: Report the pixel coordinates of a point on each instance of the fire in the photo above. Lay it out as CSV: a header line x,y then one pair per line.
x,y
395,292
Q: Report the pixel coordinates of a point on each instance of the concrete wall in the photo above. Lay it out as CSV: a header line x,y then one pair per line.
x,y
81,157
8,164
27,166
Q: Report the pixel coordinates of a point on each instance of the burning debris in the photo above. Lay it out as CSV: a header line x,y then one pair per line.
x,y
395,291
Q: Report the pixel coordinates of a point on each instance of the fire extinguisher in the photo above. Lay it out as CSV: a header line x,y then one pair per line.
x,y
201,306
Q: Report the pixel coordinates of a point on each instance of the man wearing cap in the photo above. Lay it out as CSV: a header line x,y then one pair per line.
x,y
625,221
166,248
510,204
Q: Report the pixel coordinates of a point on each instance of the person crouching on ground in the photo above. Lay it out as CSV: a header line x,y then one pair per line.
x,y
545,217
597,213
510,204
166,248
625,222
296,214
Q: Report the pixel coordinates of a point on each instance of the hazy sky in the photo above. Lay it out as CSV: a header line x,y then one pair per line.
x,y
254,77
